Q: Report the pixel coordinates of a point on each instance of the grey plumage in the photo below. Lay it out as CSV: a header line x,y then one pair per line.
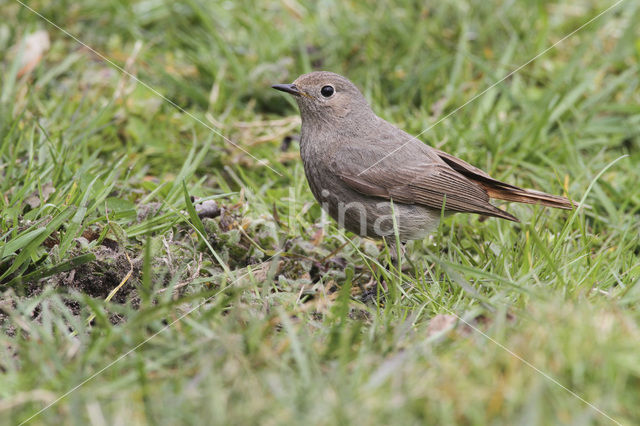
x,y
345,150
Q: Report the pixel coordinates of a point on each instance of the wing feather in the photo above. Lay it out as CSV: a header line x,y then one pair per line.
x,y
423,178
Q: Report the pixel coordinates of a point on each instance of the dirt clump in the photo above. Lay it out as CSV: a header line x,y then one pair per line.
x,y
99,277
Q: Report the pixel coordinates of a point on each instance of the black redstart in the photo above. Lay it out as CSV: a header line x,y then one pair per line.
x,y
363,170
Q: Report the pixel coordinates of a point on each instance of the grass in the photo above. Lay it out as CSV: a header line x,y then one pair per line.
x,y
275,316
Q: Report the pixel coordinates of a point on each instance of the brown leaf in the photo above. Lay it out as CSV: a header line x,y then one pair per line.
x,y
33,48
34,200
440,323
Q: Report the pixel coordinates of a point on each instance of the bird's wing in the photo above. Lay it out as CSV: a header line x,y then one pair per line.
x,y
414,174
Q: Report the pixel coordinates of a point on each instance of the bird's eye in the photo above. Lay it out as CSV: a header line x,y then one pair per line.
x,y
327,91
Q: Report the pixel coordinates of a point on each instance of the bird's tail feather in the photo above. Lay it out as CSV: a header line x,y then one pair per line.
x,y
528,196
504,191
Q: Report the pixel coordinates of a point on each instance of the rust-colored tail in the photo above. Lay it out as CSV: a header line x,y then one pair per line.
x,y
528,196
504,191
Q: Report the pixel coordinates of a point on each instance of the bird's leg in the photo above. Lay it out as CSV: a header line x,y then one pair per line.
x,y
395,260
410,264
393,252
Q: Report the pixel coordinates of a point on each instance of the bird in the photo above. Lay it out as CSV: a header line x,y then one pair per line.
x,y
378,181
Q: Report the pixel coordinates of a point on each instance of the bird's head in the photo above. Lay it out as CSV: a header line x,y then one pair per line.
x,y
324,96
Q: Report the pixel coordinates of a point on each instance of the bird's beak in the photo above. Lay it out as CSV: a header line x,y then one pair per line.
x,y
288,88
